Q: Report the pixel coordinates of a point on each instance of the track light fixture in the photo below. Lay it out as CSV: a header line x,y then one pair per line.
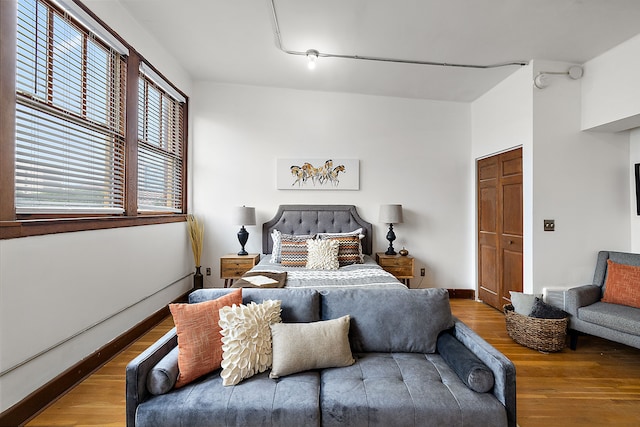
x,y
313,55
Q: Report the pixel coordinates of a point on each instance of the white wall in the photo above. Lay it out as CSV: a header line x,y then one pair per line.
x,y
502,119
66,295
580,179
411,152
611,89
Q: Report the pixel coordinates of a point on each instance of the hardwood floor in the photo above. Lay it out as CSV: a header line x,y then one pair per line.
x,y
596,385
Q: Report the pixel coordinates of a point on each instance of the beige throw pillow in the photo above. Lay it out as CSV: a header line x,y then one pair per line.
x,y
299,347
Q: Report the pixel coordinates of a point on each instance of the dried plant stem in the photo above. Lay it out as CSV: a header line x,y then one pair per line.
x,y
196,235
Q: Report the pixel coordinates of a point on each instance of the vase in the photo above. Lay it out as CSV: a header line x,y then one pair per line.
x,y
197,279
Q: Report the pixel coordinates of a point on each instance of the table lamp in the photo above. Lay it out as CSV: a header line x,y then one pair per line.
x,y
244,216
391,214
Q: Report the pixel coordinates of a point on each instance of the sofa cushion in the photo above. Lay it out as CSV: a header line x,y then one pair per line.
x,y
258,401
298,347
199,339
614,316
162,377
403,389
475,374
390,320
622,285
298,305
246,339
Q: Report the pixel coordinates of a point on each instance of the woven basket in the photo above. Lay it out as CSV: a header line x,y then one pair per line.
x,y
539,334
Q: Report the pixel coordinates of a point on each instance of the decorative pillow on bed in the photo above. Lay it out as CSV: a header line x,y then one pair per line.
x,y
350,249
199,339
246,339
323,254
293,250
275,251
299,347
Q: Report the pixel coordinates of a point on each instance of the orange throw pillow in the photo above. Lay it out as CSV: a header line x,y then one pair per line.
x,y
622,285
199,338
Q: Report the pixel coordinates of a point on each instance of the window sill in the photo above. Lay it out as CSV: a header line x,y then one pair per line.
x,y
39,227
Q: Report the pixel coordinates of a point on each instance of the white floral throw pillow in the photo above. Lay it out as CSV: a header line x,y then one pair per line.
x,y
246,339
323,254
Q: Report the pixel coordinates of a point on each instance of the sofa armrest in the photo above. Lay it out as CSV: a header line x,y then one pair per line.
x,y
138,370
581,296
504,371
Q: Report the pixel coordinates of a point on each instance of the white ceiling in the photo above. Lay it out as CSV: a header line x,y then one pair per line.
x,y
234,40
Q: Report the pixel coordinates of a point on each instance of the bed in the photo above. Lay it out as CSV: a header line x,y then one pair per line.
x,y
329,220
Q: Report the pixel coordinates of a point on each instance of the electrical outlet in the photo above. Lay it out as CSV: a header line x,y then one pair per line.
x,y
208,271
549,225
422,271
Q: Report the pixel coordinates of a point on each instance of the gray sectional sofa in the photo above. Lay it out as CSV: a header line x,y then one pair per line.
x,y
591,316
400,377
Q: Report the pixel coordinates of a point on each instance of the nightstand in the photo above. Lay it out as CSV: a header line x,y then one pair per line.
x,y
398,265
234,266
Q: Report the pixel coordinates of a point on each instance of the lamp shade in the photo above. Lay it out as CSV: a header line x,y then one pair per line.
x,y
244,215
390,214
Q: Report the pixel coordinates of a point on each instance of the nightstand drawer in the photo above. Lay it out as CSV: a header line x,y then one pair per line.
x,y
234,266
399,266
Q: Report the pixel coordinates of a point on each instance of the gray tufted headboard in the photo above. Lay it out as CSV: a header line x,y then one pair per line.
x,y
309,219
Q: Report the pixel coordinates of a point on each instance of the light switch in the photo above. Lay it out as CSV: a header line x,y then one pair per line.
x,y
549,225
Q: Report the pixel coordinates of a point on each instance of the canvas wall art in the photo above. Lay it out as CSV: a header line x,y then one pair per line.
x,y
318,174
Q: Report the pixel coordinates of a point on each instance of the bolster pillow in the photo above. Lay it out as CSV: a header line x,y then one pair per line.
x,y
164,374
475,374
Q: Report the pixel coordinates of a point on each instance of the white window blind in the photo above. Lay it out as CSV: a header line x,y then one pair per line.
x,y
69,116
160,148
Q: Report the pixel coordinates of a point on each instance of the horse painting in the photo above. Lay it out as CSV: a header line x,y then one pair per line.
x,y
325,174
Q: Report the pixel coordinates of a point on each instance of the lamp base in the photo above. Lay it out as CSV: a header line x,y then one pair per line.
x,y
391,236
243,236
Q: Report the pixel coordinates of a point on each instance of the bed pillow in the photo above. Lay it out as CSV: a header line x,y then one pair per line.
x,y
323,254
293,250
199,339
622,285
275,251
350,251
299,347
246,339
469,368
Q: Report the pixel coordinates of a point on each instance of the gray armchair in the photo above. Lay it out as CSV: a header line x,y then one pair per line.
x,y
589,315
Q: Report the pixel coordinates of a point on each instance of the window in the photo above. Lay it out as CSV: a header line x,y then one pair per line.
x,y
74,152
69,116
160,147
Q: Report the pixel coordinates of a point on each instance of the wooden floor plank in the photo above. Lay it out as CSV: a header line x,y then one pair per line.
x,y
596,385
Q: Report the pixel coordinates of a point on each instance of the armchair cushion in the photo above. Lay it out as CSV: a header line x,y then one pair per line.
x,y
582,296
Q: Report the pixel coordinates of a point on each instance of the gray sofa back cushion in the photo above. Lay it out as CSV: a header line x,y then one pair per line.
x,y
600,275
390,320
298,305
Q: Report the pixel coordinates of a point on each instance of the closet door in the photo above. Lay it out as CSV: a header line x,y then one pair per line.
x,y
500,228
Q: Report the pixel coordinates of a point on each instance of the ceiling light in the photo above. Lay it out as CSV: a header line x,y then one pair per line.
x,y
312,56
